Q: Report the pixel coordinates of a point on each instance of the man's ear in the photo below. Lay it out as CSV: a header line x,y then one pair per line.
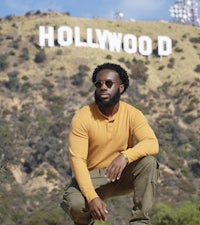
x,y
121,88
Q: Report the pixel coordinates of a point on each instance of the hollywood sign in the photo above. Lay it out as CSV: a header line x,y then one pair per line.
x,y
104,39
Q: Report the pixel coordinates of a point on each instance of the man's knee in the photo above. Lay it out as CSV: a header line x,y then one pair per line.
x,y
152,167
149,161
147,165
73,206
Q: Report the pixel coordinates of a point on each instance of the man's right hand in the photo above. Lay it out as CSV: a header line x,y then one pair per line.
x,y
98,209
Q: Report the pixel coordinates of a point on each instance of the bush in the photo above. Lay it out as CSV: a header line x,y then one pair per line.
x,y
189,119
171,63
59,52
163,215
9,17
15,43
185,214
195,40
161,67
138,71
122,59
197,69
78,78
54,102
83,69
46,83
25,54
40,56
178,49
6,143
13,84
108,57
51,175
3,62
47,216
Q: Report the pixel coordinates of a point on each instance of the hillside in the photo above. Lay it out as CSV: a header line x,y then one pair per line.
x,y
41,89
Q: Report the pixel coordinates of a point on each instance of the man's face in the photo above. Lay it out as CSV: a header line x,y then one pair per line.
x,y
108,88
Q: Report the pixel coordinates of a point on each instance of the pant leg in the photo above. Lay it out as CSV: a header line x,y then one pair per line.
x,y
145,174
75,205
139,177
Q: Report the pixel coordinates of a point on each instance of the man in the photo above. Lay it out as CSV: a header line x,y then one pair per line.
x,y
104,158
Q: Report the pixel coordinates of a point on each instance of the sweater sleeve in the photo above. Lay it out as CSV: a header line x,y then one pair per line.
x,y
78,151
147,143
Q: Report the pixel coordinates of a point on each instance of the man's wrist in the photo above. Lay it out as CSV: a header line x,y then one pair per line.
x,y
126,158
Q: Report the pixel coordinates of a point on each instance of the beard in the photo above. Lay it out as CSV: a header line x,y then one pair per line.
x,y
108,103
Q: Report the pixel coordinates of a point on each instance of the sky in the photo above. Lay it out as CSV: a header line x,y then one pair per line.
x,y
145,10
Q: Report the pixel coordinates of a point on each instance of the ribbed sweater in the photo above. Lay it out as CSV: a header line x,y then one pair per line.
x,y
95,140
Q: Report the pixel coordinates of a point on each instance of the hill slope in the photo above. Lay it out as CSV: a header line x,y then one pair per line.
x,y
42,88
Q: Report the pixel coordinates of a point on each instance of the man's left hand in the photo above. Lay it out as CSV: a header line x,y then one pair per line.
x,y
116,168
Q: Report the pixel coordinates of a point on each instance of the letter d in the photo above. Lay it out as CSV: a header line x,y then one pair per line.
x,y
164,46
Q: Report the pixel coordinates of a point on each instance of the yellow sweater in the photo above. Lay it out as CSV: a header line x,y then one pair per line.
x,y
95,140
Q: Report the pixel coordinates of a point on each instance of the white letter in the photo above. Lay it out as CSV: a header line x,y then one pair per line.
x,y
164,46
115,41
90,42
130,44
102,38
46,36
77,38
145,45
65,36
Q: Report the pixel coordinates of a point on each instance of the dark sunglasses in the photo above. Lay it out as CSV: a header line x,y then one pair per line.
x,y
108,83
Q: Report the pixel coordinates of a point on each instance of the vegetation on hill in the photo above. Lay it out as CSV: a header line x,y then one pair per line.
x,y
41,89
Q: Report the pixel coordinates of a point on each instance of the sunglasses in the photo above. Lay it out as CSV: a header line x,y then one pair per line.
x,y
108,83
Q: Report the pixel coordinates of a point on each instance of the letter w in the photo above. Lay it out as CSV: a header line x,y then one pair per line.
x,y
115,41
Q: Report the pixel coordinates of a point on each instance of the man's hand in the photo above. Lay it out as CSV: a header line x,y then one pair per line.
x,y
98,209
116,168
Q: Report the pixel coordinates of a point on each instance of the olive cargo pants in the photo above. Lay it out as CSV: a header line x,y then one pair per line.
x,y
139,177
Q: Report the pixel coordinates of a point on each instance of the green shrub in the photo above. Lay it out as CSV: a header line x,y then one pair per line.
x,y
163,215
51,175
122,59
47,216
189,119
197,69
138,71
24,54
15,43
40,56
25,87
7,145
178,49
171,63
3,62
13,84
195,40
108,57
83,69
78,78
9,17
186,214
55,103
59,52
46,83
161,67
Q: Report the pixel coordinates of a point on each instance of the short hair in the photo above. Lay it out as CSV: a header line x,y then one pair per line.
x,y
122,73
